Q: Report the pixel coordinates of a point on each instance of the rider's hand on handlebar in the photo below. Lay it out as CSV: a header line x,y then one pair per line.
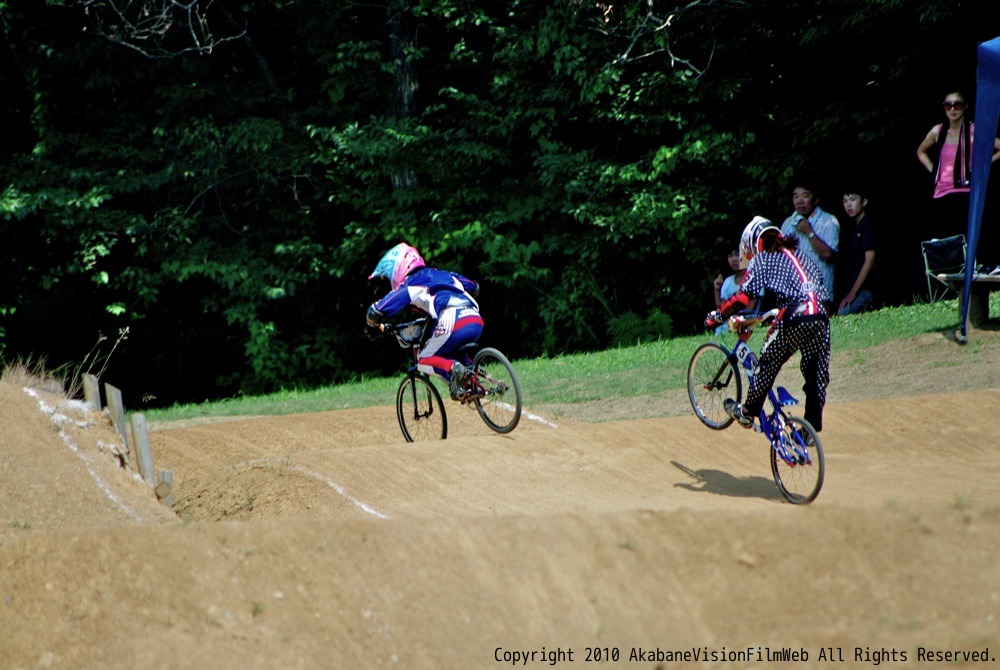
x,y
713,318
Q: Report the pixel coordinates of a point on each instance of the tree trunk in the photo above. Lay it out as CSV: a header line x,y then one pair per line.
x,y
402,39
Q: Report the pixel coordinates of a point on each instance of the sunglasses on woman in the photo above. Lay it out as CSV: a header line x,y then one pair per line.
x,y
957,105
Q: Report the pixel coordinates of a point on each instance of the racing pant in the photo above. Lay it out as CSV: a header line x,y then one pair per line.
x,y
811,336
455,327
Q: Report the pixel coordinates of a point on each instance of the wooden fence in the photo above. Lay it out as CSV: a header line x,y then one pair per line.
x,y
162,482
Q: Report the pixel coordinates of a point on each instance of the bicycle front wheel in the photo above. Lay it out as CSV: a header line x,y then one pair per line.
x,y
500,402
713,377
420,410
797,464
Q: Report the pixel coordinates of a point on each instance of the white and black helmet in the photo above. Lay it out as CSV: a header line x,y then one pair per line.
x,y
752,240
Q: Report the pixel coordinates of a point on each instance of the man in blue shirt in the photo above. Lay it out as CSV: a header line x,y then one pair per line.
x,y
818,232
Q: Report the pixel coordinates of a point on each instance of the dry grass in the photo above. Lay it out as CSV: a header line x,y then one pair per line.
x,y
35,374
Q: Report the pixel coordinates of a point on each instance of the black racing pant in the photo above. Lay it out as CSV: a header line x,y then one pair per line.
x,y
811,336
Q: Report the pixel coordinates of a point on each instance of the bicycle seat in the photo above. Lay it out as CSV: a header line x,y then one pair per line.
x,y
785,398
468,348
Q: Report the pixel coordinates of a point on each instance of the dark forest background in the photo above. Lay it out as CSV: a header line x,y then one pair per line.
x,y
193,194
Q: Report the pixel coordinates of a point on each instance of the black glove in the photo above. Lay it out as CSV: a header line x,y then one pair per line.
x,y
373,316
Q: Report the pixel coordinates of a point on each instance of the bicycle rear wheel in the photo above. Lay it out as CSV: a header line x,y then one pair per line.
x,y
713,377
500,402
420,410
799,471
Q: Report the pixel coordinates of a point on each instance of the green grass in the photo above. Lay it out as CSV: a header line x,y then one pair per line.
x,y
574,378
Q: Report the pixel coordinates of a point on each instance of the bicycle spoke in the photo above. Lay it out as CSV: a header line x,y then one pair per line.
x,y
420,410
496,393
712,378
797,461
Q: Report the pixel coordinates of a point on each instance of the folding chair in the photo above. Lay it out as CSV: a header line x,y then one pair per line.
x,y
942,256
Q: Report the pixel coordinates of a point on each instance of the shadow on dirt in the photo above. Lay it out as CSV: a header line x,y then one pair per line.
x,y
724,484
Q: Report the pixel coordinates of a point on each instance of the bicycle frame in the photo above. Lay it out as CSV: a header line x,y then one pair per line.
x,y
773,424
474,389
412,344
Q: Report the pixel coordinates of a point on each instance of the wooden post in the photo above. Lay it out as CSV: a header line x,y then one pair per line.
x,y
979,295
116,408
143,456
979,307
92,392
165,489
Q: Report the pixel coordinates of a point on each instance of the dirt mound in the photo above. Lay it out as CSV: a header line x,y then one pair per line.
x,y
324,541
60,467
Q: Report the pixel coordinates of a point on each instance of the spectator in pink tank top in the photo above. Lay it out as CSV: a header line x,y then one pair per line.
x,y
946,153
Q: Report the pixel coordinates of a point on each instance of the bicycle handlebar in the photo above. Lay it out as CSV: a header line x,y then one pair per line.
x,y
409,334
393,328
738,321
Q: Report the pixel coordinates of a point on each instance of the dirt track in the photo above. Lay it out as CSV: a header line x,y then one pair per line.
x,y
323,541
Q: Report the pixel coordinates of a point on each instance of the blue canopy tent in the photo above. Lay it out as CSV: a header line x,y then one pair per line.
x,y
987,113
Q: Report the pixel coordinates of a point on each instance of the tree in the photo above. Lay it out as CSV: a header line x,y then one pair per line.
x,y
158,28
588,162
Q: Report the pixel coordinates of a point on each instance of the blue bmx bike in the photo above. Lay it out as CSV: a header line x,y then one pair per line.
x,y
714,375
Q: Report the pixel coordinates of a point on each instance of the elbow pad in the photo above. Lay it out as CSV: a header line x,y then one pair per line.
x,y
739,301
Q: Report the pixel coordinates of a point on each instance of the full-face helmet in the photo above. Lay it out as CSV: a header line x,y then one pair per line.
x,y
752,240
398,262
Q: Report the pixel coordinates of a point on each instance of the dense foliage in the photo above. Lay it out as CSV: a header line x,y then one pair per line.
x,y
211,201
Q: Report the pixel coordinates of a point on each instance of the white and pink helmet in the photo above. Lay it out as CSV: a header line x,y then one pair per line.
x,y
397,263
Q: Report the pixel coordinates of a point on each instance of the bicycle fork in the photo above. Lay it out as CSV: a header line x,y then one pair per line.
x,y
790,447
417,414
